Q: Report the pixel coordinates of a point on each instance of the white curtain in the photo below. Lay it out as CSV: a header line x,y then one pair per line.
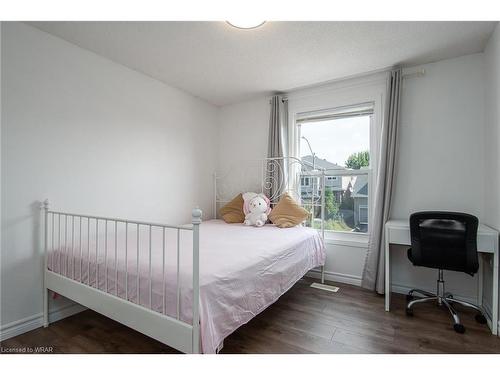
x,y
373,273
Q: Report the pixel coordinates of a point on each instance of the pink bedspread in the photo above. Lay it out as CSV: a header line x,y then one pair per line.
x,y
243,270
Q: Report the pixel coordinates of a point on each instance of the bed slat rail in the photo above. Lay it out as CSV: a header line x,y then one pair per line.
x,y
62,242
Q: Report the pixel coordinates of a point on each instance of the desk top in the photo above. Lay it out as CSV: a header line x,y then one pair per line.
x,y
403,224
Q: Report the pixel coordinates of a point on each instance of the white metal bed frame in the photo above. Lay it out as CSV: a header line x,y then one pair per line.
x,y
169,330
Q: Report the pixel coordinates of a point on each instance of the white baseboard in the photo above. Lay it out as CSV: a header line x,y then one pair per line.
x,y
36,321
487,307
336,277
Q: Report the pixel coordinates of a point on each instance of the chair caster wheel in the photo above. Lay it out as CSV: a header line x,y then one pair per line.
x,y
459,328
409,298
480,319
409,312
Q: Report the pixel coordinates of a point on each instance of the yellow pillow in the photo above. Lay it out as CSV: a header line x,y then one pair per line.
x,y
287,213
232,212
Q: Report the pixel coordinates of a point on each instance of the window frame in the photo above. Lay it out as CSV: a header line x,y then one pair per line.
x,y
349,93
347,172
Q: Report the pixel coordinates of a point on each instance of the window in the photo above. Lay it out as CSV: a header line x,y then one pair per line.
x,y
363,214
337,142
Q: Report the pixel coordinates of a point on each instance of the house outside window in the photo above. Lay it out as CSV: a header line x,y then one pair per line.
x,y
304,181
363,214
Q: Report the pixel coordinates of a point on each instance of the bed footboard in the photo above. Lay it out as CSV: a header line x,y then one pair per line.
x,y
71,230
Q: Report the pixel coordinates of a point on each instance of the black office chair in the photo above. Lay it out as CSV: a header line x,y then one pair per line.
x,y
445,241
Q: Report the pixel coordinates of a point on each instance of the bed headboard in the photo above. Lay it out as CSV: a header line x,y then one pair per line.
x,y
280,175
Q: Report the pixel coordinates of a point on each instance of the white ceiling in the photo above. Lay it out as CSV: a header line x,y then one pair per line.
x,y
223,65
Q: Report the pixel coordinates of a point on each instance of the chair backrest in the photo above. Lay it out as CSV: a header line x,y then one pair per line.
x,y
444,240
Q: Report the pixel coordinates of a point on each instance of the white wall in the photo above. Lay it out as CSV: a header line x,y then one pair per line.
x,y
492,132
440,165
441,143
0,170
441,156
94,137
492,176
243,132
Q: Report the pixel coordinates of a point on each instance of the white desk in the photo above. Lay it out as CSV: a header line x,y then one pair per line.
x,y
398,232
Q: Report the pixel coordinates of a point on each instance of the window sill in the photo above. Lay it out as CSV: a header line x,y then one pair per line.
x,y
347,239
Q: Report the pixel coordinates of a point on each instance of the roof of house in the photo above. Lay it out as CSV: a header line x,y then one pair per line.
x,y
321,163
360,189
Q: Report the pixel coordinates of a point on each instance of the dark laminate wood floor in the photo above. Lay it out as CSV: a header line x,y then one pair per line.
x,y
304,320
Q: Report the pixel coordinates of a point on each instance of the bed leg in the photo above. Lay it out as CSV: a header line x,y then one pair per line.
x,y
322,274
45,210
219,348
45,307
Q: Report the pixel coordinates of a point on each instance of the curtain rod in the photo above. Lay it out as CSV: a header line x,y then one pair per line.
x,y
417,73
284,99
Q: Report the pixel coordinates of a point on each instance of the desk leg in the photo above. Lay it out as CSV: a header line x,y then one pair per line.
x,y
480,280
494,300
387,273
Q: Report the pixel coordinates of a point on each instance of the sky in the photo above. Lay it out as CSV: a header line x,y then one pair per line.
x,y
335,140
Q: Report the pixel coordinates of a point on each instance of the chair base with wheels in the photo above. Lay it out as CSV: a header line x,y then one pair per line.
x,y
443,299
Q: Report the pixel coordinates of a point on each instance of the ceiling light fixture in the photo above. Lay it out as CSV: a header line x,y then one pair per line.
x,y
246,24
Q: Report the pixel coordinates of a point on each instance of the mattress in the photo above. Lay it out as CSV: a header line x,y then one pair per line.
x,y
243,269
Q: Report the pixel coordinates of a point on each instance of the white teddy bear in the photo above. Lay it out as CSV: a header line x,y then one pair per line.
x,y
256,208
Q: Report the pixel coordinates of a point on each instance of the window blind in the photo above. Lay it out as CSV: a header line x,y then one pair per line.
x,y
336,113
